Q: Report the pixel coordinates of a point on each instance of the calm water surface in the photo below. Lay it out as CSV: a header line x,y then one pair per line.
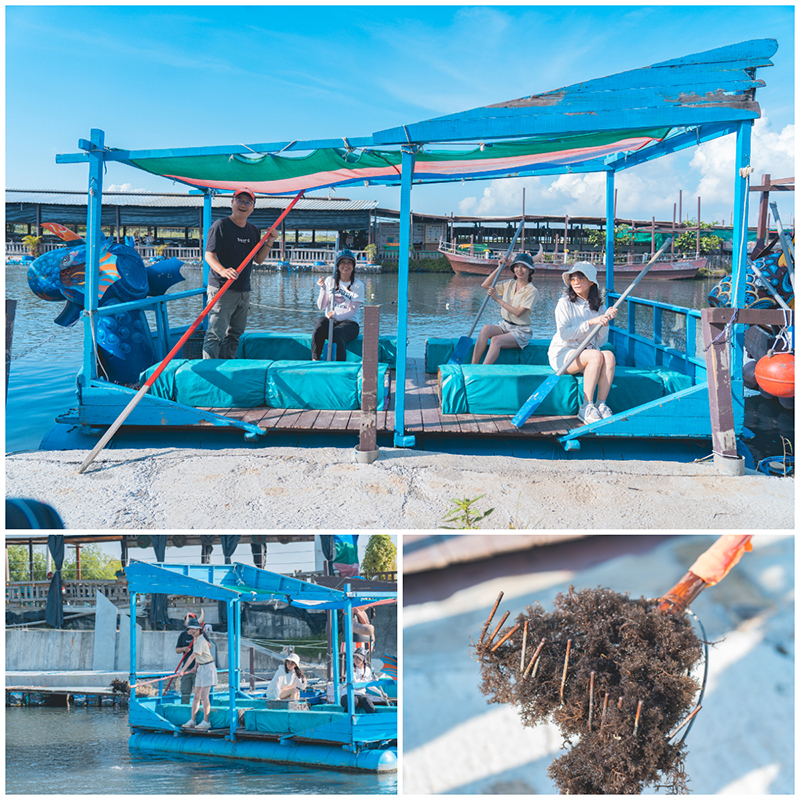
x,y
85,751
47,357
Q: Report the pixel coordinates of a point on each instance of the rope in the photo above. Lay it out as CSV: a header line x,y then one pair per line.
x,y
37,346
726,331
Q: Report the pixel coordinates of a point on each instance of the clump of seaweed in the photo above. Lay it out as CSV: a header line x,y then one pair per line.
x,y
614,675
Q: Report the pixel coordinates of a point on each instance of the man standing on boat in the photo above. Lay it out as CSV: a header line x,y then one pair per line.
x,y
229,241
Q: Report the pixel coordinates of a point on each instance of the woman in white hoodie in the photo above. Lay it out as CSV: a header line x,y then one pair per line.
x,y
577,312
288,680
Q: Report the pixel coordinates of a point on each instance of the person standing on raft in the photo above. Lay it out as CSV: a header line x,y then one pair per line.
x,y
576,312
229,241
205,679
516,298
348,294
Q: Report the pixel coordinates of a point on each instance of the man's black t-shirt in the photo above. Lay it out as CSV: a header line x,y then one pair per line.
x,y
231,244
185,640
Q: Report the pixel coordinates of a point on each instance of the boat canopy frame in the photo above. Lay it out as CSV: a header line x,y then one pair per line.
x,y
666,107
236,583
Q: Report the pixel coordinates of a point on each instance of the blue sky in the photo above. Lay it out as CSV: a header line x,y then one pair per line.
x,y
180,76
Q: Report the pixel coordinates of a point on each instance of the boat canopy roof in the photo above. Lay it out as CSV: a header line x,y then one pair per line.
x,y
605,124
244,582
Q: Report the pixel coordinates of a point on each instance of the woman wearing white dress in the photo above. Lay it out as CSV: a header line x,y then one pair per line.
x,y
577,312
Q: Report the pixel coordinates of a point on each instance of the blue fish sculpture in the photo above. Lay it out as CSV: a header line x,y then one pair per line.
x,y
756,295
124,340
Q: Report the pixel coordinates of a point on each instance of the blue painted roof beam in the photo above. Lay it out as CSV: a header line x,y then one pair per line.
x,y
714,86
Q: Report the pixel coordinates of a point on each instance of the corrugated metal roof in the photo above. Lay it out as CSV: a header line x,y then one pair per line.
x,y
165,200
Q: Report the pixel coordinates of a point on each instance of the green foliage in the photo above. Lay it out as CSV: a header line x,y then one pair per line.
x,y
622,235
380,555
32,243
687,241
371,250
465,515
95,563
419,265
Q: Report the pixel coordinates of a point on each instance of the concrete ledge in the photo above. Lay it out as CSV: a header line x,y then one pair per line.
x,y
83,679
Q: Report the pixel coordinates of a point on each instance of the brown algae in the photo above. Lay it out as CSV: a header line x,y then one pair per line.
x,y
612,673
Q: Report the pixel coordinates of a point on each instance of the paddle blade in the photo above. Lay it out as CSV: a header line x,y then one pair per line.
x,y
534,401
461,351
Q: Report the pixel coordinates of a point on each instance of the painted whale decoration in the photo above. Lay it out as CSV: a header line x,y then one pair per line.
x,y
124,340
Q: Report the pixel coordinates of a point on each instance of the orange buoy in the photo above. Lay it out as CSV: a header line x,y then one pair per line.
x,y
775,374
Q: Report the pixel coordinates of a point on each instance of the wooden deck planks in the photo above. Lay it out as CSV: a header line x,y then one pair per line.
x,y
422,415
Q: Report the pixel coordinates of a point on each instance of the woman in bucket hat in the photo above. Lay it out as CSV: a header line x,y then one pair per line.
x,y
516,298
581,308
206,677
348,295
361,674
288,680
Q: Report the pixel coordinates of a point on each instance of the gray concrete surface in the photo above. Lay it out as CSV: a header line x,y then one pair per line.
x,y
743,740
322,488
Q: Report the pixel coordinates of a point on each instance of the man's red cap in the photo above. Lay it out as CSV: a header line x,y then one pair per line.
x,y
245,190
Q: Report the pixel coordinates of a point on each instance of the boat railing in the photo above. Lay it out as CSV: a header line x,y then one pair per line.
x,y
649,333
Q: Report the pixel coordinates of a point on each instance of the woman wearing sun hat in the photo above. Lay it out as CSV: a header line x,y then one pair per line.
x,y
581,308
206,677
288,680
516,298
361,674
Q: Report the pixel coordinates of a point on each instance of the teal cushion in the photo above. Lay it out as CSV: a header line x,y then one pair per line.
x,y
221,383
320,384
297,347
439,351
164,385
502,389
280,722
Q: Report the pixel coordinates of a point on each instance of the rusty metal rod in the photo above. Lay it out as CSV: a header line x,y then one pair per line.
x,y
486,624
564,674
591,698
533,658
507,636
499,625
524,641
638,714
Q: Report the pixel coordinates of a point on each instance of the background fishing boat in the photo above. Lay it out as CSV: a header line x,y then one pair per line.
x,y
464,262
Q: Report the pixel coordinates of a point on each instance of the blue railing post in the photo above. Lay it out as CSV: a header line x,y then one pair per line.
x,y
739,264
400,439
132,665
348,664
335,654
610,230
208,194
233,646
95,150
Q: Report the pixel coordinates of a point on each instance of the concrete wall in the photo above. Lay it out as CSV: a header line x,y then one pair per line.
x,y
33,650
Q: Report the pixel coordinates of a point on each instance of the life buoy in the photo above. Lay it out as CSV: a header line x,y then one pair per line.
x,y
775,374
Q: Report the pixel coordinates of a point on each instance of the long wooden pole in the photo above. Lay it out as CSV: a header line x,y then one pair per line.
x,y
152,379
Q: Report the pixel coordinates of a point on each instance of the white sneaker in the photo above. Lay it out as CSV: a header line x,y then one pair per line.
x,y
203,726
588,413
189,724
605,411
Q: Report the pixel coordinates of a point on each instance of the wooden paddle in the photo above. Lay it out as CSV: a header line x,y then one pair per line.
x,y
465,342
152,379
538,397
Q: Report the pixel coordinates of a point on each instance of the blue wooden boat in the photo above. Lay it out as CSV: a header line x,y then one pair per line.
x,y
242,725
605,125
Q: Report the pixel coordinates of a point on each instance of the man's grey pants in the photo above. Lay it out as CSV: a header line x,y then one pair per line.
x,y
226,323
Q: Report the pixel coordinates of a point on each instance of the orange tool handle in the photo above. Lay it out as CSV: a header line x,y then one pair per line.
x,y
710,568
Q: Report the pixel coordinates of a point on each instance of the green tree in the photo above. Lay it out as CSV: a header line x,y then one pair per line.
x,y
19,563
95,564
622,235
687,241
380,555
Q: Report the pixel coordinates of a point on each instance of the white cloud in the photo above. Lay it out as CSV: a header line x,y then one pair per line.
x,y
653,189
124,187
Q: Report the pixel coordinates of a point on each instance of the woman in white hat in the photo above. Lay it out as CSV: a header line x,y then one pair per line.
x,y
361,674
577,312
205,678
288,680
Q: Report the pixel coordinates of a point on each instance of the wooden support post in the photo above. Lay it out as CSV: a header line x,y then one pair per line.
x,y
367,450
11,311
718,365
